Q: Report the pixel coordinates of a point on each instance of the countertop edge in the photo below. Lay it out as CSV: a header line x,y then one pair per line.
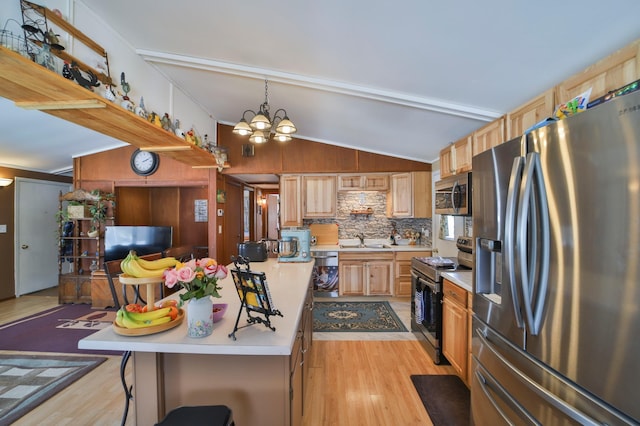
x,y
463,279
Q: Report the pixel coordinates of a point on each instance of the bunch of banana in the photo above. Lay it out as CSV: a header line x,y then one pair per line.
x,y
136,267
128,319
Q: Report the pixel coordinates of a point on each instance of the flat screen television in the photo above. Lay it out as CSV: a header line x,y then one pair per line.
x,y
118,240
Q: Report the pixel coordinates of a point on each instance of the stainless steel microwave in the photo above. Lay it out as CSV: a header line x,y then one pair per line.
x,y
453,195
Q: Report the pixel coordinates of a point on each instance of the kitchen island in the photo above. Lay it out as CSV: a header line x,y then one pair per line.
x,y
259,375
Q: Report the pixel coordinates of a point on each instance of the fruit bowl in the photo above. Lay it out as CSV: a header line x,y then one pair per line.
x,y
218,311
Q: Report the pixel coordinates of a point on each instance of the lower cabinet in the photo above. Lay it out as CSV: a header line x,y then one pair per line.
x,y
402,268
74,288
455,328
366,274
299,361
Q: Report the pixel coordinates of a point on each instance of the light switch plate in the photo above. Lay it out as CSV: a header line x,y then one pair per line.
x,y
3,229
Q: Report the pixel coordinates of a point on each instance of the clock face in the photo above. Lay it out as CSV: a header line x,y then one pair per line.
x,y
144,163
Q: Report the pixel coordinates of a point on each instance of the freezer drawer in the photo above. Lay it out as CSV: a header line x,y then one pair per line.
x,y
510,387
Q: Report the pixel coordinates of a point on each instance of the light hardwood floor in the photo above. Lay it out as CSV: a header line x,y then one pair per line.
x,y
365,381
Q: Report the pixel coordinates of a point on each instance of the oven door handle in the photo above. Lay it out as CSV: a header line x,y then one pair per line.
x,y
425,283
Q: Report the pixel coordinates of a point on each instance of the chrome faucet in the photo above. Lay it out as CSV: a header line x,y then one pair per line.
x,y
361,238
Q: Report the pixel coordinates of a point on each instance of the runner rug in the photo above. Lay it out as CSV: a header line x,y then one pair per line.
x,y
28,380
445,398
356,316
56,330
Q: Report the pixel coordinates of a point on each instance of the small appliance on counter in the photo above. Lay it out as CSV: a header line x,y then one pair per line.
x,y
294,245
255,251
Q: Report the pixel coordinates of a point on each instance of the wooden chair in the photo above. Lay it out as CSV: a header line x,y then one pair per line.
x,y
112,269
182,253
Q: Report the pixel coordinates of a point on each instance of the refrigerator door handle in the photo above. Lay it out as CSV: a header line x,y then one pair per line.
x,y
543,393
509,243
533,196
486,383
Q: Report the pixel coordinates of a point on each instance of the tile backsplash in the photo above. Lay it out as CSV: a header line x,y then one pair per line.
x,y
376,225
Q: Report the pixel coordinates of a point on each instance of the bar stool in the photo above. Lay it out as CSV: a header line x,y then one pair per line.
x,y
207,415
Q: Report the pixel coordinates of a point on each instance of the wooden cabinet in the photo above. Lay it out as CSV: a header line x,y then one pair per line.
x,y
410,195
368,182
290,201
455,328
456,158
402,268
462,155
488,136
366,273
319,196
470,337
82,218
614,71
529,114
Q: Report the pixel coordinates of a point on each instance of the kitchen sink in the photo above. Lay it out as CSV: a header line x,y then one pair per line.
x,y
366,246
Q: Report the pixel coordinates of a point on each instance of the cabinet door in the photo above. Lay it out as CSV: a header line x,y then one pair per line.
x,y
454,335
529,114
610,73
379,278
319,196
290,202
351,278
488,136
401,195
446,162
402,271
462,155
376,182
350,182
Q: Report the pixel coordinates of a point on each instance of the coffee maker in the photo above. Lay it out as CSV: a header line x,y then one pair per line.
x,y
294,245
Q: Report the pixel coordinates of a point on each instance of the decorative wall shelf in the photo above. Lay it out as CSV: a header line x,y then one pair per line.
x,y
29,84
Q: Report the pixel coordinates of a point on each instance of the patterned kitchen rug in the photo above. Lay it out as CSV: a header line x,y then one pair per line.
x,y
28,380
356,316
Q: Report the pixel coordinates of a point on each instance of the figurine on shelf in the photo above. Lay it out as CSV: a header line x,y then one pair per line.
x,y
81,80
190,137
166,122
140,109
155,119
66,71
126,88
177,130
108,93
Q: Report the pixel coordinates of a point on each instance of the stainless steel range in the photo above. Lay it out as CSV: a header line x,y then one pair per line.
x,y
426,296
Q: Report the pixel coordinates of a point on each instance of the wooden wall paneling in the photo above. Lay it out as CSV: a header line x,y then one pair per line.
x,y
165,209
300,156
369,162
216,235
233,223
133,206
192,233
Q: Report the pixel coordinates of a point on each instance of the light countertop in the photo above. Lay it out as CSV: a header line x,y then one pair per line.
x,y
288,283
388,247
462,279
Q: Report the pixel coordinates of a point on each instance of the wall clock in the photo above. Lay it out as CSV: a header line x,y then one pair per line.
x,y
144,163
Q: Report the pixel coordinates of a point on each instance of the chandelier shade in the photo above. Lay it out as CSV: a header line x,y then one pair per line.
x,y
262,126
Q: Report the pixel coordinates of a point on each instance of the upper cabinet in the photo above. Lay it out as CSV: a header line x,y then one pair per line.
x,y
456,158
290,201
368,182
533,112
319,196
610,73
488,136
409,195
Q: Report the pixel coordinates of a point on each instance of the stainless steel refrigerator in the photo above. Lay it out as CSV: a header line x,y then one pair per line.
x,y
556,221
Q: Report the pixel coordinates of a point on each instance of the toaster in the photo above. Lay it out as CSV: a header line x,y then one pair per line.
x,y
255,251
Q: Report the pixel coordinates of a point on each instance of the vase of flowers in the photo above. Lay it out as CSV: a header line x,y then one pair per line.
x,y
200,280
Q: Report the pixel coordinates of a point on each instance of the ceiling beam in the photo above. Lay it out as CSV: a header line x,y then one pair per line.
x,y
403,99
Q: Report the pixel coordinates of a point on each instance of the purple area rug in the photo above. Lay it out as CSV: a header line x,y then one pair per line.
x,y
39,332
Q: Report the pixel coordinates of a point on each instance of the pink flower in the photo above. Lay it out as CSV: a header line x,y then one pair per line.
x,y
221,272
170,277
186,274
209,266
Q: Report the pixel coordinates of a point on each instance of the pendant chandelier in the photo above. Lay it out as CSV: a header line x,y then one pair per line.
x,y
261,125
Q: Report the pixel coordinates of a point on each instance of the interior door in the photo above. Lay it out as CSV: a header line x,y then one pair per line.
x,y
233,219
36,249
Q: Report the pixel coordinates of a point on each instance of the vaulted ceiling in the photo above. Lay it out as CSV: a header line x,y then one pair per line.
x,y
401,78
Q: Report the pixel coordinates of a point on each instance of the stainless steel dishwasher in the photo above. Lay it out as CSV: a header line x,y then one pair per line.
x,y
325,273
